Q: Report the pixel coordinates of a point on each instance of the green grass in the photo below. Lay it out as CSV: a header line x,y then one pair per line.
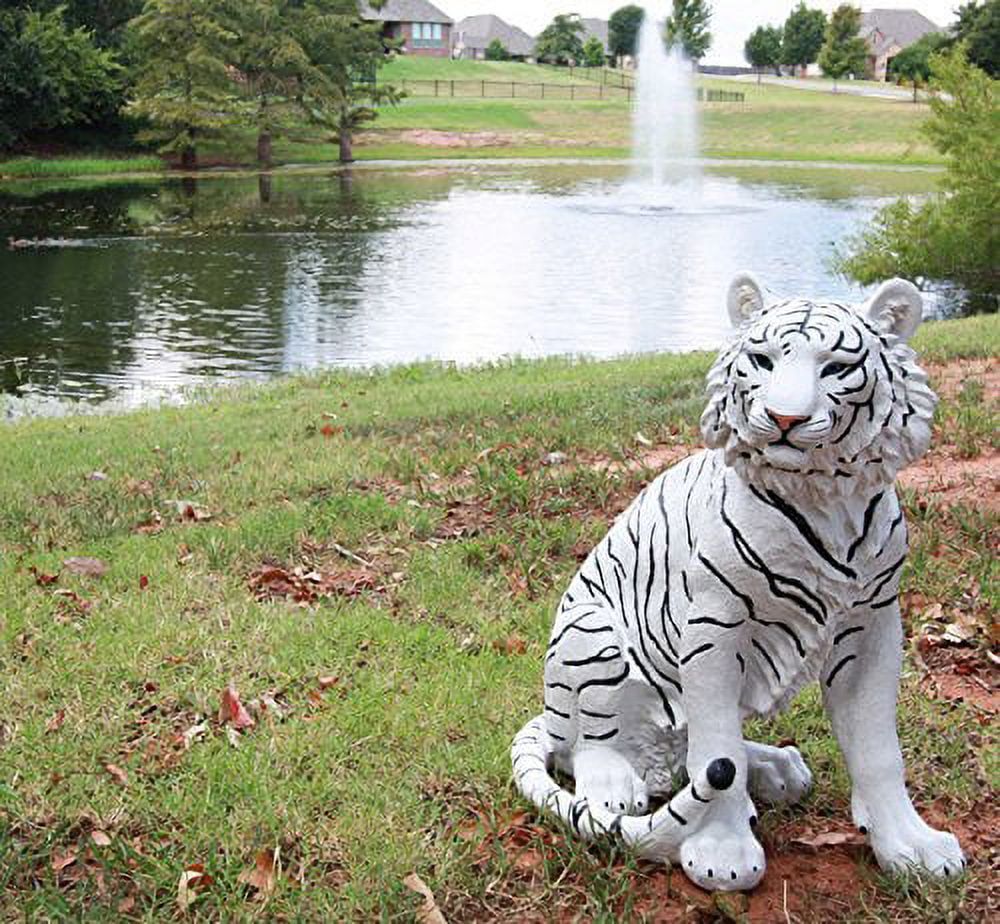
x,y
775,123
374,778
77,166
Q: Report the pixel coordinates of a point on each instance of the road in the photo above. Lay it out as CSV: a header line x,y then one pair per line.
x,y
886,91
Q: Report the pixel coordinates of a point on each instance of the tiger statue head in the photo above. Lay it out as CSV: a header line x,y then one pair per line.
x,y
819,393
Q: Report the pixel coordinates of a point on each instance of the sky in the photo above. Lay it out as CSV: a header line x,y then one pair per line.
x,y
732,22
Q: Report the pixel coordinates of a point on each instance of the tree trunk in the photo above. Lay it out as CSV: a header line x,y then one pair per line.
x,y
264,187
915,91
189,158
264,150
759,72
346,147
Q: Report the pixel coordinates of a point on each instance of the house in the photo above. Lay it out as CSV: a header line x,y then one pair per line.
x,y
420,27
472,36
887,33
596,28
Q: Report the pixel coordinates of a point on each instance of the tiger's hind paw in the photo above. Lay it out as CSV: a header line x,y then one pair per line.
x,y
777,775
606,779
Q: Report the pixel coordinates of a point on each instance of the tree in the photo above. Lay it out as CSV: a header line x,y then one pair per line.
x,y
913,63
51,76
953,236
802,37
561,40
345,53
763,48
623,30
593,52
844,51
497,51
979,27
184,88
271,63
688,25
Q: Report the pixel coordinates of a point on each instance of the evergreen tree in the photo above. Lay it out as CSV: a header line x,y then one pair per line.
x,y
763,48
688,26
593,52
271,63
802,37
561,40
184,88
345,52
844,51
623,30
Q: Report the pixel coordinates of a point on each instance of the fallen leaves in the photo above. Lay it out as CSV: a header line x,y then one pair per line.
x,y
86,567
56,722
512,645
232,712
262,877
117,774
830,839
429,912
193,883
307,586
42,579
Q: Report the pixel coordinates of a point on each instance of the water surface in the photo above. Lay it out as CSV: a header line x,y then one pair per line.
x,y
141,288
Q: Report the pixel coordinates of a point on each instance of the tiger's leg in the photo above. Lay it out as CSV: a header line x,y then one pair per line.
x,y
722,853
860,683
585,678
777,775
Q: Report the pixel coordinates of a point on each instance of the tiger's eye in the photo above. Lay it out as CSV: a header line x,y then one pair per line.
x,y
762,361
833,369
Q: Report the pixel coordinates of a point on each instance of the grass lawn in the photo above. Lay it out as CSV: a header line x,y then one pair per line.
x,y
775,123
384,708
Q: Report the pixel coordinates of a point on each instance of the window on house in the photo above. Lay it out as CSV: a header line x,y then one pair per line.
x,y
426,34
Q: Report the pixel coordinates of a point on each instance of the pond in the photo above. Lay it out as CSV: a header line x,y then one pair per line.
x,y
129,291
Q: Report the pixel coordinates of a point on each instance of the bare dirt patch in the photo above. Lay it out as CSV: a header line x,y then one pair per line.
x,y
962,676
948,378
950,480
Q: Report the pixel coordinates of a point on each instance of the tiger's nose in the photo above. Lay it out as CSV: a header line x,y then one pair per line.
x,y
785,422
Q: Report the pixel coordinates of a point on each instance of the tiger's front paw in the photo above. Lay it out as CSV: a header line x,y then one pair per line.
x,y
718,858
777,775
904,843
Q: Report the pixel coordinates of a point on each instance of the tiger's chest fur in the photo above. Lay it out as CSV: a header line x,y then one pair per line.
x,y
703,558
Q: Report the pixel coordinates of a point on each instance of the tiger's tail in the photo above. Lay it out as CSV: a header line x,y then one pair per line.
x,y
656,836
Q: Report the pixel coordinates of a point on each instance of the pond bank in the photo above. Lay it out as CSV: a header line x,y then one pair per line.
x,y
368,563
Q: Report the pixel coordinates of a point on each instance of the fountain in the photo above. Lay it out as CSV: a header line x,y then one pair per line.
x,y
665,133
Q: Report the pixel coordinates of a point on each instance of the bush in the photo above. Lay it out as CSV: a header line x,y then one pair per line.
x,y
496,51
953,236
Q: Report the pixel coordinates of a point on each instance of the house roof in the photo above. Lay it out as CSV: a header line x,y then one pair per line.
x,y
598,27
479,31
903,27
404,11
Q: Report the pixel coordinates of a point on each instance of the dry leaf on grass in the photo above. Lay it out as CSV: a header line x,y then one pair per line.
x,y
830,839
86,567
428,913
101,838
117,774
232,712
512,645
56,722
263,875
193,882
61,860
42,579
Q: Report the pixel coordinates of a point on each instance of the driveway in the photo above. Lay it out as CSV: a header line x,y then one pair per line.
x,y
824,85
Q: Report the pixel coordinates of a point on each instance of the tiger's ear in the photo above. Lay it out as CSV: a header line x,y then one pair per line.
x,y
745,299
896,308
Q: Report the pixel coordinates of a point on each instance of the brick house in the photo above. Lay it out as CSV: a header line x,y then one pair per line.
x,y
420,26
887,33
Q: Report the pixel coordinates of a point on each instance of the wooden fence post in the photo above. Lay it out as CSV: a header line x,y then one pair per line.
x,y
453,88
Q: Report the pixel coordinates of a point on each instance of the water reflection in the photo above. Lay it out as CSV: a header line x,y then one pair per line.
x,y
144,287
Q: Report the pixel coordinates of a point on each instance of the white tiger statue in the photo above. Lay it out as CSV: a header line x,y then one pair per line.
x,y
769,560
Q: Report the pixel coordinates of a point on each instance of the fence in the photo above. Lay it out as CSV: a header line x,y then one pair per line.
x,y
512,89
